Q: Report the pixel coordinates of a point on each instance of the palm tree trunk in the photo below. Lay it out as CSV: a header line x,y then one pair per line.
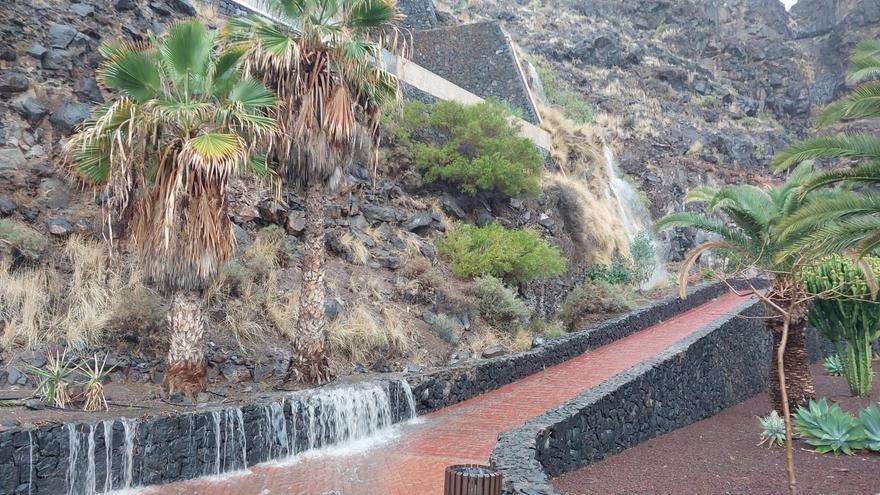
x,y
186,370
799,380
311,364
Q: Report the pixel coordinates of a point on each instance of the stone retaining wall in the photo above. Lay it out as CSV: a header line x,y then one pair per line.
x,y
160,449
717,367
457,383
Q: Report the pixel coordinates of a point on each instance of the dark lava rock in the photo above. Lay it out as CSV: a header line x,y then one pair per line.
x,y
125,4
296,222
60,35
391,262
494,351
34,404
82,9
54,60
70,115
261,372
13,82
183,6
30,108
379,213
234,373
14,376
538,341
332,308
7,206
451,207
36,50
381,366
59,227
87,87
417,221
8,55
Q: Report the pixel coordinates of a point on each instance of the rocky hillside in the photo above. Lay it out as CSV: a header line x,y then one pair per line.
x,y
687,92
690,91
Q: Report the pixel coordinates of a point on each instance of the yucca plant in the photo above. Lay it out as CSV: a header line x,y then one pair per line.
x,y
324,58
843,219
829,429
833,365
54,380
844,311
182,122
772,429
870,419
744,222
96,373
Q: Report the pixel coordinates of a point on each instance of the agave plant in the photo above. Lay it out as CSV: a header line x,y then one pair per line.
x,y
833,365
96,374
828,428
870,419
54,380
324,58
182,123
772,429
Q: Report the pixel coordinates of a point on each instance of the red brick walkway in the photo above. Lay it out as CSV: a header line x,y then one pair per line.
x,y
413,463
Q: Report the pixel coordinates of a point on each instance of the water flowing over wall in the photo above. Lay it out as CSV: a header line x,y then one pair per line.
x,y
114,454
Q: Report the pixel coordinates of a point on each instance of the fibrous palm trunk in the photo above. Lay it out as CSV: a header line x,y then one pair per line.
x,y
799,380
311,361
186,370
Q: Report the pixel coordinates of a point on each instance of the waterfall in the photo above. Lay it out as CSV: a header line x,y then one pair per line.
x,y
108,454
275,436
129,428
215,415
634,216
410,399
90,464
31,459
73,453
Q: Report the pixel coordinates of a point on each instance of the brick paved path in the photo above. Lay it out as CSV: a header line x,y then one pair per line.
x,y
413,463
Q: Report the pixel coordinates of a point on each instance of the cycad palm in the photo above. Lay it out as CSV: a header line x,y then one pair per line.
x,y
744,219
182,123
325,64
843,219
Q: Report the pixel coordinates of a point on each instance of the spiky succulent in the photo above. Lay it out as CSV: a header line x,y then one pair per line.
x,y
833,365
829,429
772,429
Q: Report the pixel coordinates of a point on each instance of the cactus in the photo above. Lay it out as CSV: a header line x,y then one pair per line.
x,y
844,311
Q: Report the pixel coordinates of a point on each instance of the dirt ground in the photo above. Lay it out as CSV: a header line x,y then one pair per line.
x,y
719,455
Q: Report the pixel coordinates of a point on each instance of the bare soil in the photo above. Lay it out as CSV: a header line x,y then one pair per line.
x,y
719,455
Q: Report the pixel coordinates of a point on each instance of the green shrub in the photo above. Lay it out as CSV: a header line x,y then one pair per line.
x,y
593,297
499,305
618,272
513,255
563,95
644,257
772,429
828,428
475,147
18,239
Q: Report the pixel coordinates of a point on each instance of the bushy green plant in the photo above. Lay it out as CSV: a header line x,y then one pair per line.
x,y
513,255
772,429
644,257
870,419
55,380
592,297
846,314
833,365
499,305
828,428
475,147
618,272
19,240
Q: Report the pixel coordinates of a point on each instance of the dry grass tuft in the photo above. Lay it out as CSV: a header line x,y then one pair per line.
x,y
359,252
26,305
362,336
90,293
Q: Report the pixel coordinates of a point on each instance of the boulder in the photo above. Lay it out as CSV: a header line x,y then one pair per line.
x,y
70,115
60,35
11,159
59,227
494,351
417,221
13,82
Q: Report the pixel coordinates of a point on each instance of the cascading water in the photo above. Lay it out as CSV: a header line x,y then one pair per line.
x,y
73,454
129,428
31,459
633,214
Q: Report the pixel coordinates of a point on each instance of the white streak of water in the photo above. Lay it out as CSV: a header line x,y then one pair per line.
x,y
633,214
108,454
91,480
73,453
129,428
31,459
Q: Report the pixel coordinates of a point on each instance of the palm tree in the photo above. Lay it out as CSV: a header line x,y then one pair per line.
x,y
183,121
324,59
747,230
843,219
